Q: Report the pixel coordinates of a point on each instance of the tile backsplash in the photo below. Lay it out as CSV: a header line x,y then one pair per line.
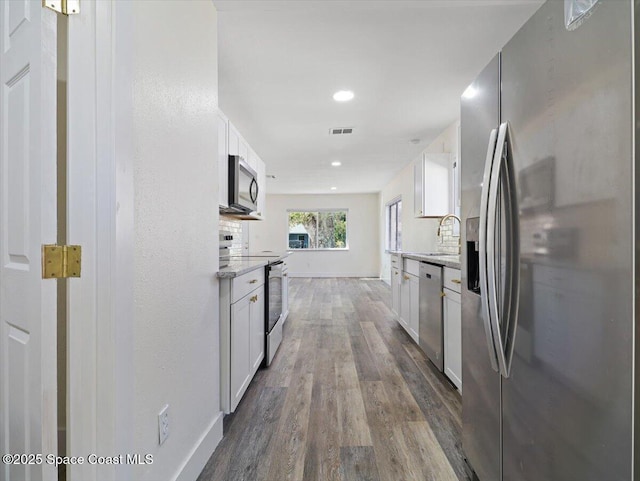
x,y
234,226
448,242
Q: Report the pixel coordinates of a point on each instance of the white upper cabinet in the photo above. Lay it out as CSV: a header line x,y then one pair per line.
x,y
253,159
243,150
433,185
230,142
223,160
234,140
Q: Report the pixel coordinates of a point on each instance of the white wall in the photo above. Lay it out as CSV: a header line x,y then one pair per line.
x,y
418,234
360,260
176,355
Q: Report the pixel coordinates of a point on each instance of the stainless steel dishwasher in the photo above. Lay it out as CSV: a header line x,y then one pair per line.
x,y
430,317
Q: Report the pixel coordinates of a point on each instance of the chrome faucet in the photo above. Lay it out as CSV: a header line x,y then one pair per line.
x,y
445,218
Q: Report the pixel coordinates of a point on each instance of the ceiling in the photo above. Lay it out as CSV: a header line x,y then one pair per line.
x,y
406,61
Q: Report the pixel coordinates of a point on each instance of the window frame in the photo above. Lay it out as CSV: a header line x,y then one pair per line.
x,y
388,206
319,249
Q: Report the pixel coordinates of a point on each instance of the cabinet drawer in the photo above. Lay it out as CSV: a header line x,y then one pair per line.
x,y
244,284
396,261
412,267
452,279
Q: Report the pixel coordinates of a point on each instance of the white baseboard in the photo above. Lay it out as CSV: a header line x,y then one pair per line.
x,y
333,274
202,451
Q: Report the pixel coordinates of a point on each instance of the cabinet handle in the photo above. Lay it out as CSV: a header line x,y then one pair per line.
x,y
285,275
456,281
254,299
406,278
442,294
253,281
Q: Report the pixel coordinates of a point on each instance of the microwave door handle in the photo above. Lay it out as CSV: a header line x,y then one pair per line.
x,y
253,191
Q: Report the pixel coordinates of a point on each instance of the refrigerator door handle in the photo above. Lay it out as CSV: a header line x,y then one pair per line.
x,y
492,281
484,289
512,282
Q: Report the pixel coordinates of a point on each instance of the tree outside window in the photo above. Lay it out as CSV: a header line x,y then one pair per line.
x,y
321,229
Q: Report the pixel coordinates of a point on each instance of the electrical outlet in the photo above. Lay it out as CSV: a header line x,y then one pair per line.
x,y
163,424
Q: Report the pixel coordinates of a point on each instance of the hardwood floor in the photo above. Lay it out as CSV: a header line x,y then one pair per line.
x,y
348,397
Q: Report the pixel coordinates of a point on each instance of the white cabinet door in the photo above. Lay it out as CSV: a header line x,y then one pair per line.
x,y
410,304
414,316
223,160
253,158
418,204
395,291
256,329
453,337
405,301
433,185
234,140
243,150
240,350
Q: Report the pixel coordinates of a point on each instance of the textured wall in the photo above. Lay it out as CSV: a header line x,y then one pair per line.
x,y
176,359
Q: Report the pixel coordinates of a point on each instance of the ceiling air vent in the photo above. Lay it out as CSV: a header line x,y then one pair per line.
x,y
341,131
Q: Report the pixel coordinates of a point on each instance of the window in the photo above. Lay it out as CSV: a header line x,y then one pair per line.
x,y
394,225
318,229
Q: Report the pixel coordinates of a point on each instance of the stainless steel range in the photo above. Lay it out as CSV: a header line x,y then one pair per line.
x,y
276,290
274,315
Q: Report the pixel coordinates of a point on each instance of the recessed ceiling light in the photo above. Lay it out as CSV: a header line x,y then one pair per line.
x,y
336,163
470,92
343,95
333,188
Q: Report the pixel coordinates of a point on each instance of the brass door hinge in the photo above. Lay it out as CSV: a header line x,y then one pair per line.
x,y
65,7
59,262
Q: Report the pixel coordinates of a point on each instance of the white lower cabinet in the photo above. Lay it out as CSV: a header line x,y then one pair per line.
x,y
409,304
452,314
407,296
240,359
414,318
405,301
395,290
242,336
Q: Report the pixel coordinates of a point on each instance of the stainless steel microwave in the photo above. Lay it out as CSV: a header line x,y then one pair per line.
x,y
243,186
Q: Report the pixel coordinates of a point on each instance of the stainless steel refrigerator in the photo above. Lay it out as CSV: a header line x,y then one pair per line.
x,y
549,241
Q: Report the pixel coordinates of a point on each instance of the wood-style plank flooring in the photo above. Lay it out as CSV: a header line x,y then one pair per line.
x,y
348,397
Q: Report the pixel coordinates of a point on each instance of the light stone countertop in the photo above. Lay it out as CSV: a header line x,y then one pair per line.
x,y
241,265
441,259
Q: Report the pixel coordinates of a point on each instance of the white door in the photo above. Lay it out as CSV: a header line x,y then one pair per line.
x,y
27,220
